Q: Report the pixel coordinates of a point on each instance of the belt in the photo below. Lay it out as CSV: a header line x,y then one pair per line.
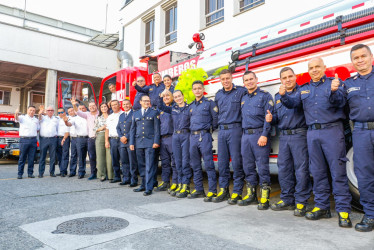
x,y
317,126
93,138
251,131
197,132
73,136
364,125
114,137
293,131
60,136
229,126
47,137
182,131
165,136
82,136
28,137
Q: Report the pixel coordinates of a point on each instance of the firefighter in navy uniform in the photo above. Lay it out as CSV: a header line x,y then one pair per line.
x,y
128,157
145,134
293,161
230,131
323,102
203,119
359,91
255,144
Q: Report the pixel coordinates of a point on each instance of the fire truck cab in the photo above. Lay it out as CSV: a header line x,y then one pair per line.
x,y
9,138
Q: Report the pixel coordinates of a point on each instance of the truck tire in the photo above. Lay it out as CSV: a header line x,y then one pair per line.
x,y
352,182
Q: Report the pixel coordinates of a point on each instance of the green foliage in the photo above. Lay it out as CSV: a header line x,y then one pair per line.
x,y
186,79
216,73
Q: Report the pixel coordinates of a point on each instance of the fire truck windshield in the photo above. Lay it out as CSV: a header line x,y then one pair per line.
x,y
9,126
81,90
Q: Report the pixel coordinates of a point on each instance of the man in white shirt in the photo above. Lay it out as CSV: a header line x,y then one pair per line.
x,y
80,127
112,139
28,132
63,143
48,139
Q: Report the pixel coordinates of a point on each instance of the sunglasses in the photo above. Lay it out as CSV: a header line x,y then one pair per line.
x,y
60,112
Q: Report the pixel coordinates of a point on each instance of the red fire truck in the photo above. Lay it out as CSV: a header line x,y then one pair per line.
x,y
9,138
328,33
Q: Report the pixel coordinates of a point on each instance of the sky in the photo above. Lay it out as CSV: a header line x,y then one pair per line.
x,y
87,13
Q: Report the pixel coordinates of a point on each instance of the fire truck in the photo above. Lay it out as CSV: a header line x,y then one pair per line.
x,y
328,33
9,138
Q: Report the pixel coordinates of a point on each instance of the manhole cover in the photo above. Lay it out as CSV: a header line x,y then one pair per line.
x,y
91,226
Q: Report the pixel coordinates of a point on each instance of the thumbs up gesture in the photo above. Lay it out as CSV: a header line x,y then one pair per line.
x,y
269,117
282,89
335,83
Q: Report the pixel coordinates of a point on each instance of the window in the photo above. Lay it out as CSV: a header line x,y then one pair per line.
x,y
171,24
249,4
5,96
214,11
149,36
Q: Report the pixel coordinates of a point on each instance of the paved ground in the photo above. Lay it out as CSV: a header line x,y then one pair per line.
x,y
31,209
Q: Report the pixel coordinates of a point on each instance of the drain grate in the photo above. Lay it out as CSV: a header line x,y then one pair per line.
x,y
91,226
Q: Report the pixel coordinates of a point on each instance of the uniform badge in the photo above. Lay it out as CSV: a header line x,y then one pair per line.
x,y
352,89
271,102
151,89
278,101
354,78
305,92
242,103
161,112
255,93
215,109
201,101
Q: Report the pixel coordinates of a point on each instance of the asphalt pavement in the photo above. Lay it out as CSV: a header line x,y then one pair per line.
x,y
67,213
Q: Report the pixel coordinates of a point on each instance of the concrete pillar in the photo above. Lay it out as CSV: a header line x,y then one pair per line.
x,y
24,100
51,88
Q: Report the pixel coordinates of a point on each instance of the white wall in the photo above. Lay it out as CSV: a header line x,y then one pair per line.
x,y
14,101
191,18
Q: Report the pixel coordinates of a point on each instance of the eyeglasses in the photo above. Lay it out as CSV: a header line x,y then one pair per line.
x,y
146,101
50,110
140,81
60,112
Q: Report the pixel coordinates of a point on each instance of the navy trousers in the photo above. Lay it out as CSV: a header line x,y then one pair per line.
x,y
201,146
82,154
146,166
92,155
229,144
63,154
27,148
363,146
181,153
167,160
327,151
73,155
129,165
293,169
114,151
254,155
47,144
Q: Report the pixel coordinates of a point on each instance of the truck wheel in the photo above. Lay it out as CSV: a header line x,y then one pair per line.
x,y
352,182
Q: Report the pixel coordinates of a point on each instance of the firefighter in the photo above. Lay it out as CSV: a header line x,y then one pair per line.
x,y
323,102
166,148
154,90
28,132
203,119
293,162
127,156
181,144
145,135
359,91
229,123
140,81
255,144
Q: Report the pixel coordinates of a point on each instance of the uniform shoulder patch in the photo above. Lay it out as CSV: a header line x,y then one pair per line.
x,y
215,109
271,102
305,92
161,112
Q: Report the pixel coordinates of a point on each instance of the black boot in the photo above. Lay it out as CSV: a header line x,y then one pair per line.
x,y
318,213
234,199
196,194
184,191
250,198
176,191
281,205
223,195
265,195
344,220
173,187
366,225
163,186
300,210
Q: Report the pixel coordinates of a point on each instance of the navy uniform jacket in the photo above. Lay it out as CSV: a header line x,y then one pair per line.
x,y
124,126
359,91
180,115
228,103
154,92
137,98
288,118
320,104
166,121
254,108
145,130
203,115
